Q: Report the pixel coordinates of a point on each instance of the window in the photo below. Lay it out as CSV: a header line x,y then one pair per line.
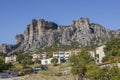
x,y
45,62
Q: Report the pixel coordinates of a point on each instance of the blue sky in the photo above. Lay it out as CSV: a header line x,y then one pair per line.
x,y
16,14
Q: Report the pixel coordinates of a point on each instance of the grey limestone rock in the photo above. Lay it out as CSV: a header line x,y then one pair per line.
x,y
19,38
41,33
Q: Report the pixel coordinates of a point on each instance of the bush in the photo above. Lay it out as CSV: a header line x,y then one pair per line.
x,y
21,73
54,61
58,74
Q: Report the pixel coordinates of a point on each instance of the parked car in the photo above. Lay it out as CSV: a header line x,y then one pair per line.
x,y
40,68
4,75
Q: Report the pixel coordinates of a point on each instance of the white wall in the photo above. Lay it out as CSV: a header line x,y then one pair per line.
x,y
46,61
100,52
10,59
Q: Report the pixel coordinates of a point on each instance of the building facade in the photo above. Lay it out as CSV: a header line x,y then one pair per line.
x,y
11,58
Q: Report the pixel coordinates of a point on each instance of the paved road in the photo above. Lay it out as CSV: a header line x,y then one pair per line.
x,y
16,78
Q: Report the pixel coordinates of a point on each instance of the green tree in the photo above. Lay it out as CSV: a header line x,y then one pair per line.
x,y
37,61
1,63
79,63
24,59
9,65
54,61
111,72
112,50
84,66
94,72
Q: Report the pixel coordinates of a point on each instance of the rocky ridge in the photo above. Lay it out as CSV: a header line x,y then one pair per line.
x,y
43,33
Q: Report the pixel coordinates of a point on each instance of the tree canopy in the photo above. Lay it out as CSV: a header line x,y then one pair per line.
x,y
24,59
79,63
54,61
84,67
1,63
112,50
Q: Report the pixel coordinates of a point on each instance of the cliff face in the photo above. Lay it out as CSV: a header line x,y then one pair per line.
x,y
4,48
38,34
19,38
42,33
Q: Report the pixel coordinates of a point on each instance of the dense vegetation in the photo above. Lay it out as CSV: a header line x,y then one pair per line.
x,y
112,51
84,67
3,65
24,59
54,61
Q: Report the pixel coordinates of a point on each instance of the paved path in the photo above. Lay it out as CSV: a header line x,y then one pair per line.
x,y
16,78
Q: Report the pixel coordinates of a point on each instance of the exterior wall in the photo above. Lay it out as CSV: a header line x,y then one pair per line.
x,y
39,56
46,61
10,59
100,53
44,55
35,56
67,55
62,54
56,54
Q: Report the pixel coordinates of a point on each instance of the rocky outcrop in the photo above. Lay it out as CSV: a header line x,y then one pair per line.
x,y
85,33
19,38
5,48
38,34
115,33
43,33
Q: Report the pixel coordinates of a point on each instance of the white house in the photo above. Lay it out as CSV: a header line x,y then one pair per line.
x,y
100,53
46,61
44,55
11,58
58,54
38,56
35,56
67,55
62,54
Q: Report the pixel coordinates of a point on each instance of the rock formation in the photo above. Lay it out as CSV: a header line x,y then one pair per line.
x,y
42,33
19,38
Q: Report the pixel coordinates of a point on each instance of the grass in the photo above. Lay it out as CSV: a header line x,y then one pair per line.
x,y
48,72
49,77
65,65
54,73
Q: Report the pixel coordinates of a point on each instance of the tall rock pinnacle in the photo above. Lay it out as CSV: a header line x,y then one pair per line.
x,y
41,33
